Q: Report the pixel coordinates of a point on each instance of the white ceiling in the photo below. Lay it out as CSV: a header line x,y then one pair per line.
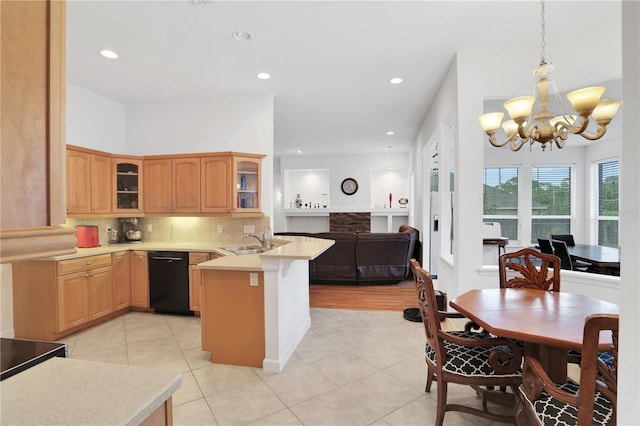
x,y
330,61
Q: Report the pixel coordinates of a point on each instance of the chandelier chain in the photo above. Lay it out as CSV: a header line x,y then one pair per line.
x,y
542,34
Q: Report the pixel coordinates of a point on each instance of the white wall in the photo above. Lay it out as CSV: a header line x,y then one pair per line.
x,y
357,166
241,123
94,121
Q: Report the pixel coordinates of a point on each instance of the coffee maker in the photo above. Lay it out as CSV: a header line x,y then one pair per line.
x,y
129,232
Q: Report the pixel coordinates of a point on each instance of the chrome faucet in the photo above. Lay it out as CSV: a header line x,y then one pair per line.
x,y
263,240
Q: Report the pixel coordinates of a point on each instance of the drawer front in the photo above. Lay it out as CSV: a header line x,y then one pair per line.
x,y
195,258
83,263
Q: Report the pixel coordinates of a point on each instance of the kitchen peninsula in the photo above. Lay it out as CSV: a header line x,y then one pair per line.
x,y
255,308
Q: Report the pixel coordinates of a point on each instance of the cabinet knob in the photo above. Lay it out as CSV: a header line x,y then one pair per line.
x,y
89,262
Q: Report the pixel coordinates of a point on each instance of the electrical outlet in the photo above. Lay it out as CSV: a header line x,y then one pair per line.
x,y
249,229
220,229
108,227
253,279
148,227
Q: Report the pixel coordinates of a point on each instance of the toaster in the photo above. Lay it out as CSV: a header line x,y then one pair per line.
x,y
87,236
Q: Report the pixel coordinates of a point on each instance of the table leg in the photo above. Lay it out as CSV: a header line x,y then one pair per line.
x,y
553,360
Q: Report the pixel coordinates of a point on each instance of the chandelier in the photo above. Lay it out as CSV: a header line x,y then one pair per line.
x,y
532,120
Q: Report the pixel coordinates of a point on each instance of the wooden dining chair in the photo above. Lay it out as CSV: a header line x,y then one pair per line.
x,y
529,268
464,357
592,401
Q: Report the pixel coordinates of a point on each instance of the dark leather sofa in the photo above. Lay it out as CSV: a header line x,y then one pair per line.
x,y
365,258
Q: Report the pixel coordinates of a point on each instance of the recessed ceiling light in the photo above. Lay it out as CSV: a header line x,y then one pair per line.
x,y
390,132
242,36
396,80
264,76
299,151
109,54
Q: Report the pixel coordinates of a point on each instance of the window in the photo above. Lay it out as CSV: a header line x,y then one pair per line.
x,y
550,201
608,174
500,199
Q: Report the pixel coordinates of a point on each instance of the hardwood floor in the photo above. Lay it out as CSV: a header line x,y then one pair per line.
x,y
393,297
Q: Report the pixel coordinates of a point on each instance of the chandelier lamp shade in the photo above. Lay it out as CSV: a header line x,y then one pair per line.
x,y
542,117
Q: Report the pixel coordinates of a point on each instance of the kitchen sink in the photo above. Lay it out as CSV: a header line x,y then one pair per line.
x,y
244,249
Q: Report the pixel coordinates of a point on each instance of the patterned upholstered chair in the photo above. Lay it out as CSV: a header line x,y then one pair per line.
x,y
593,401
464,357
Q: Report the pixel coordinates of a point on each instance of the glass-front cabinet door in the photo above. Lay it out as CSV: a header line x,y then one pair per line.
x,y
247,180
127,191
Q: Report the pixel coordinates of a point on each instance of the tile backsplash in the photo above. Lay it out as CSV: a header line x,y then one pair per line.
x,y
181,229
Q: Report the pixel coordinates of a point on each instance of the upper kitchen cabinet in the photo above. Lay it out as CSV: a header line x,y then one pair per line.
x,y
87,172
215,185
247,169
32,129
172,185
127,185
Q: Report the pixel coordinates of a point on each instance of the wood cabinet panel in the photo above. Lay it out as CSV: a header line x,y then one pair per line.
x,y
33,114
121,262
157,185
88,175
73,309
185,185
99,292
83,263
237,342
78,181
195,278
139,279
100,188
216,195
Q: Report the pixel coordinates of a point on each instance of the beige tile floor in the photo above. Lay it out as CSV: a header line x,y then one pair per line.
x,y
352,368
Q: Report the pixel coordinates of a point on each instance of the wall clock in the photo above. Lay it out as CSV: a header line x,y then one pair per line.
x,y
349,186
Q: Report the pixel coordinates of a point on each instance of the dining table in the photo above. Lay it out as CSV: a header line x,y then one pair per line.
x,y
607,259
549,323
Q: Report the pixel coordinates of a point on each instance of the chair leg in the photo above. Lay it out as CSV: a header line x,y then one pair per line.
x,y
430,377
442,402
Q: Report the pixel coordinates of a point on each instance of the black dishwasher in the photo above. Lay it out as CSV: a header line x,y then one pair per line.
x,y
169,282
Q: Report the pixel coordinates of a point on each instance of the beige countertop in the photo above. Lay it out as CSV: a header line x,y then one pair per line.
x,y
293,247
286,247
77,392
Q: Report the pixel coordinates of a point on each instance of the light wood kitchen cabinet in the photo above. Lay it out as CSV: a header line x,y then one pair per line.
x,y
127,190
87,174
53,299
139,279
247,171
121,263
32,127
172,185
100,292
195,278
78,181
216,193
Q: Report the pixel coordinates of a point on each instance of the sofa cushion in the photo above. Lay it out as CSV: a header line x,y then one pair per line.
x,y
382,257
337,264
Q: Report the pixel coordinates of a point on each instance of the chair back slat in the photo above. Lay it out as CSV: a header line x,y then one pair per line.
x,y
528,268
